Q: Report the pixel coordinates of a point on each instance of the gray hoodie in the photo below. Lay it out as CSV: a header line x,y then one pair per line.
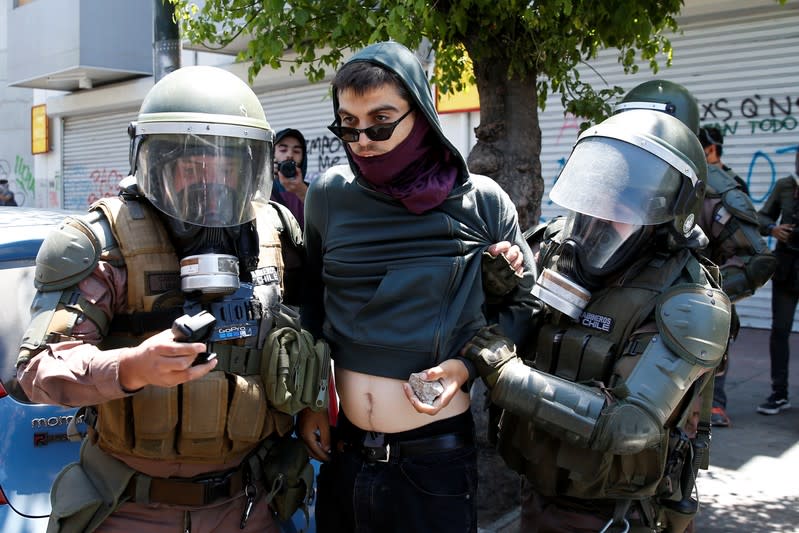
x,y
395,292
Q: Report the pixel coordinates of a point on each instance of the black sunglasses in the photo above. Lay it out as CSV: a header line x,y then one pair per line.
x,y
378,132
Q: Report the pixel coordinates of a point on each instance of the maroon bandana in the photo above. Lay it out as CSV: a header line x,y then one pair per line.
x,y
418,172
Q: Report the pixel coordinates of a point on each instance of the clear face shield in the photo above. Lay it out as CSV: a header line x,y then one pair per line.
x,y
614,192
205,180
205,183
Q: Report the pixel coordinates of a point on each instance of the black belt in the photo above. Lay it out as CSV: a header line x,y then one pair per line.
x,y
375,448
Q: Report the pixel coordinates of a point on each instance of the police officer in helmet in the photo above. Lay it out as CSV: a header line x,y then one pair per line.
x,y
634,327
159,313
728,216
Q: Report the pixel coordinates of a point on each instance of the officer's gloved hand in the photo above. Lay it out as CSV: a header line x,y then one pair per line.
x,y
499,276
490,351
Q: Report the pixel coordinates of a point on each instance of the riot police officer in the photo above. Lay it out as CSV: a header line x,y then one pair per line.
x,y
634,329
728,217
161,312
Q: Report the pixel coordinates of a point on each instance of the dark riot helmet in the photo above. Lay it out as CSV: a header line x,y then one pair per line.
x,y
201,148
666,96
639,167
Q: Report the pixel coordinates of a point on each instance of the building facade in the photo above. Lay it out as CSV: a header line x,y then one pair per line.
x,y
740,58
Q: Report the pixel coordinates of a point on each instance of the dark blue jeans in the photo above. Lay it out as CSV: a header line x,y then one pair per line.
x,y
719,395
783,305
432,492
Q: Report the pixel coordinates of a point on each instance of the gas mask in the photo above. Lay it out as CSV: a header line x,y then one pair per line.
x,y
204,185
591,249
210,257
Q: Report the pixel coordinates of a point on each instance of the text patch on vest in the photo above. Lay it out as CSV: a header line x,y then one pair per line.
x,y
597,322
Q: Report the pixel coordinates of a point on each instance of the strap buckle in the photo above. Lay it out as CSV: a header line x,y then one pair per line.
x,y
375,449
216,487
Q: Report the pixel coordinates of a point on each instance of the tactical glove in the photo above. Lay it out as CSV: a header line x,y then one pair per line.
x,y
490,352
499,276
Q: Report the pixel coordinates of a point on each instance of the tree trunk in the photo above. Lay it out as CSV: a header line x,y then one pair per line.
x,y
508,138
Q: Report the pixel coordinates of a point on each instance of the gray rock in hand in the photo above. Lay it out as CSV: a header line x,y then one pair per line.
x,y
426,391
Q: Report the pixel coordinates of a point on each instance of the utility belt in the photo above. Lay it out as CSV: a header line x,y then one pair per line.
x,y
198,491
375,447
87,492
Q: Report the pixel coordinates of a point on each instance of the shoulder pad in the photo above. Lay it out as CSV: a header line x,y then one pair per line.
x,y
285,223
694,322
71,251
719,181
740,205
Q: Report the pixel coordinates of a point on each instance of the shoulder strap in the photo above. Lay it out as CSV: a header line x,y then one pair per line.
x,y
151,261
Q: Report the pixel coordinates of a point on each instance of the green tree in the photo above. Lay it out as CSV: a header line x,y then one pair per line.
x,y
520,52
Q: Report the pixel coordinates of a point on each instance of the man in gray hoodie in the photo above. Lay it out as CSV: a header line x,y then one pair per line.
x,y
395,242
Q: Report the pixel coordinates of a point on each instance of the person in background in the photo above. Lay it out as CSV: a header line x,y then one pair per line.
x,y
6,195
395,243
713,144
730,222
778,218
291,171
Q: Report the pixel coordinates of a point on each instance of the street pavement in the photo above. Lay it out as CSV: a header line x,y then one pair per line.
x,y
752,484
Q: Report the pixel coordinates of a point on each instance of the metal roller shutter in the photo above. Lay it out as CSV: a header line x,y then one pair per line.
x,y
308,108
743,68
95,156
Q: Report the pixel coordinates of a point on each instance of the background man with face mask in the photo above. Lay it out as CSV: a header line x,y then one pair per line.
x,y
176,443
635,328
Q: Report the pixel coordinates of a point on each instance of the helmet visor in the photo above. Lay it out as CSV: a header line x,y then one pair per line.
x,y
206,180
617,181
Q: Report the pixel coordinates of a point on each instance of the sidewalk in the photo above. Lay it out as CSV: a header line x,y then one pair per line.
x,y
752,485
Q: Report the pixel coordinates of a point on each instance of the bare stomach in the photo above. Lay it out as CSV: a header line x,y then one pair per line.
x,y
376,403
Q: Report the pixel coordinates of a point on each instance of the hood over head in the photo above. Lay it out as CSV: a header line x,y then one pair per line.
x,y
399,59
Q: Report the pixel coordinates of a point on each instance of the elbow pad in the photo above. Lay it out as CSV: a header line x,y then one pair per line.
x,y
575,413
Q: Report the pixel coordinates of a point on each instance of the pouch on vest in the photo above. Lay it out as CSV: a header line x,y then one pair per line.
x,y
155,435
201,430
288,476
84,494
295,371
248,416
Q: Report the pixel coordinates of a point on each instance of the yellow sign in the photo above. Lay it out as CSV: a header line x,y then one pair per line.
x,y
40,130
458,101
466,99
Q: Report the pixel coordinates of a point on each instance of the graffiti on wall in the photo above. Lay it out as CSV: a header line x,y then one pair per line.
x,y
83,186
759,114
325,152
749,115
20,179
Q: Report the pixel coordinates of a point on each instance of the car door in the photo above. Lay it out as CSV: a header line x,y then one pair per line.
x,y
33,447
